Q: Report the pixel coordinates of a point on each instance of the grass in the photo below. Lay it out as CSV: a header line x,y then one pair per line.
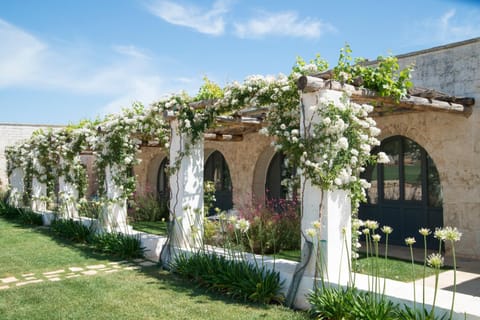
x,y
149,293
396,269
152,227
28,249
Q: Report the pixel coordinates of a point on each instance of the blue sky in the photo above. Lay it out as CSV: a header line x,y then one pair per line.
x,y
61,61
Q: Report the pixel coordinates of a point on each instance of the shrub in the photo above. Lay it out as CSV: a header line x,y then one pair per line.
x,y
149,208
273,227
72,230
118,244
331,303
29,217
236,278
90,209
22,215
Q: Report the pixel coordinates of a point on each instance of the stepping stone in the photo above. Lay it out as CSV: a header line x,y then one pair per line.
x,y
55,279
104,269
4,287
9,280
148,263
75,269
51,276
132,268
89,272
73,276
30,278
18,284
118,262
117,267
97,266
53,272
138,260
113,270
28,275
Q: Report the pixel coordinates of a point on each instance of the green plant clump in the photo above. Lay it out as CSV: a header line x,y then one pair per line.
x,y
22,215
72,230
118,244
236,278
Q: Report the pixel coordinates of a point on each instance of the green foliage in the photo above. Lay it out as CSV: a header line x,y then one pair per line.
x,y
332,303
72,230
149,208
408,313
118,244
235,278
350,304
368,306
90,209
384,77
209,90
22,215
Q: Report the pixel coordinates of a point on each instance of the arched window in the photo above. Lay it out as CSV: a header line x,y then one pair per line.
x,y
216,170
406,193
277,172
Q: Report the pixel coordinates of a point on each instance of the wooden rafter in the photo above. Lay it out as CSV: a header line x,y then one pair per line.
x,y
385,105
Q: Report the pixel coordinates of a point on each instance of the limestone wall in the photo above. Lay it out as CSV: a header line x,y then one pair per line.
x,y
11,134
451,140
247,161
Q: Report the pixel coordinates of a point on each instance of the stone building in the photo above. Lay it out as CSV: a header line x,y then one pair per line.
x,y
434,174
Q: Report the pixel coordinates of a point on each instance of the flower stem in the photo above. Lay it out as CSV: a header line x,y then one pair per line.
x,y
454,279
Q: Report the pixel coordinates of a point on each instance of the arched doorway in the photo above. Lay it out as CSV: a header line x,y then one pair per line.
x,y
216,170
406,193
163,186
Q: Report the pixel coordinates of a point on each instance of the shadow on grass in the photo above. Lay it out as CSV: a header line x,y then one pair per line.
x,y
161,278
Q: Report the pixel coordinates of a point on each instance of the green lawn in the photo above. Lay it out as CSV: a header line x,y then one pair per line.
x,y
152,227
395,269
149,293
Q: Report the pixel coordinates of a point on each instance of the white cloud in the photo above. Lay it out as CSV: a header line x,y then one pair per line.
x,y
447,28
208,21
282,24
131,51
129,75
21,55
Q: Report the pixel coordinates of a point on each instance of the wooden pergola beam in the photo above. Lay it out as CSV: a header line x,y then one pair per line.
x,y
361,95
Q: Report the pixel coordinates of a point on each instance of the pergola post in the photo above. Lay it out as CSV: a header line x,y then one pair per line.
x,y
332,208
68,195
114,214
39,190
186,187
16,187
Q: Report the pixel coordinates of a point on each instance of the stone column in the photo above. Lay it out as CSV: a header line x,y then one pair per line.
x,y
16,187
68,195
114,215
332,208
186,185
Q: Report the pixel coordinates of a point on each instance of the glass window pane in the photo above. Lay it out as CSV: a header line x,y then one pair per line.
x,y
391,171
371,176
412,161
435,196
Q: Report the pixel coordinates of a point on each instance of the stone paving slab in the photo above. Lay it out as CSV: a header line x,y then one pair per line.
x,y
73,272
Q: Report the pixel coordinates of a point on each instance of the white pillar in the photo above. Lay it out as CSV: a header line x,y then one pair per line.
x,y
39,190
114,215
332,208
186,185
68,195
16,187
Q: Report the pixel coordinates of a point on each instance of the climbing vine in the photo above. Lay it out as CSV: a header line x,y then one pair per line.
x,y
331,154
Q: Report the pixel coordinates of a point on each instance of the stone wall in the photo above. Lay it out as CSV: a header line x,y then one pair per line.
x,y
450,139
247,161
11,134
